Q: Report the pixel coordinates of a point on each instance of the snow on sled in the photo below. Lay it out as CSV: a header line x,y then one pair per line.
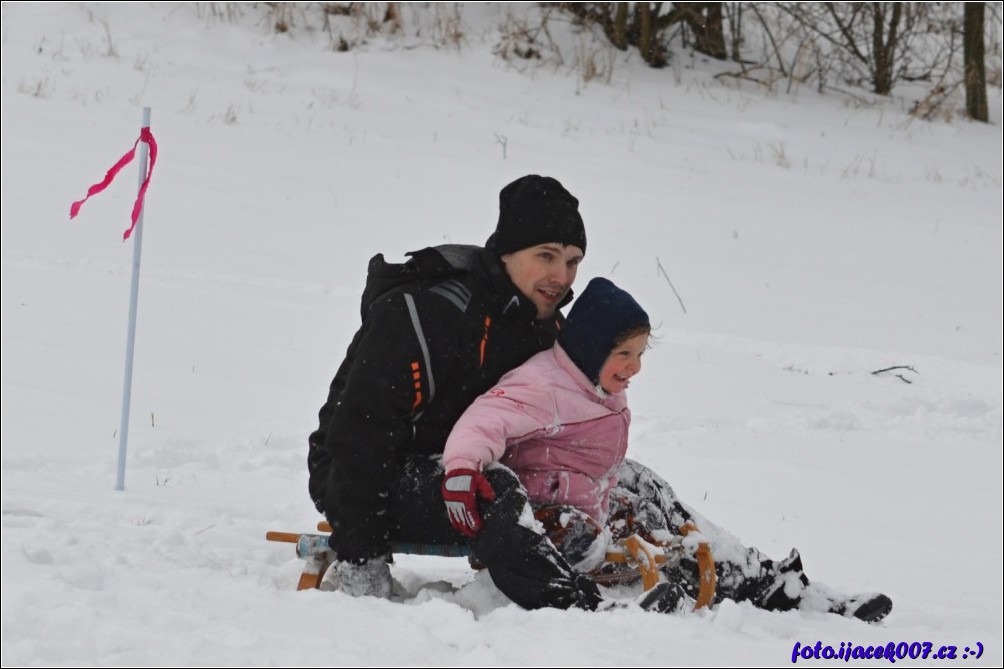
x,y
629,560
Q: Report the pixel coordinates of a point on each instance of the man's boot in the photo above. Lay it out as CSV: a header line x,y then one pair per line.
x,y
368,578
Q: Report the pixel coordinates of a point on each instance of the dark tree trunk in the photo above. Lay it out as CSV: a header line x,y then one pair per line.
x,y
712,40
973,55
884,44
649,36
618,32
735,16
704,19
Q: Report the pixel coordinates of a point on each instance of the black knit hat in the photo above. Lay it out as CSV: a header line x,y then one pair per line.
x,y
601,315
536,210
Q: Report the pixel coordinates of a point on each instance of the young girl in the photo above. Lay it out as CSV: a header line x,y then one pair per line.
x,y
560,421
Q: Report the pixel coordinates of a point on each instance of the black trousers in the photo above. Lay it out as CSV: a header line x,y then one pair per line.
x,y
524,564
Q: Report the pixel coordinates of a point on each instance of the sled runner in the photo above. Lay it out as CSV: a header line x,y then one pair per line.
x,y
630,559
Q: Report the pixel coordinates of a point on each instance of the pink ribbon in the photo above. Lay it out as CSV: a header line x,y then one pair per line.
x,y
144,136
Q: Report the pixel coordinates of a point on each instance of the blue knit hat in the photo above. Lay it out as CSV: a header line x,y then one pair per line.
x,y
601,315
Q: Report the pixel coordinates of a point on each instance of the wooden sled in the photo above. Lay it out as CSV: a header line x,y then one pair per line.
x,y
630,558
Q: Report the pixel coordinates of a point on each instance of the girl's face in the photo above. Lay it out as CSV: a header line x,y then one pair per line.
x,y
623,363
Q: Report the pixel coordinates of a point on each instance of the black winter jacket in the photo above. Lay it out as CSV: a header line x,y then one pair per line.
x,y
418,361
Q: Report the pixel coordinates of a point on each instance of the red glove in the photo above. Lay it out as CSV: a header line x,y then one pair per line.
x,y
461,490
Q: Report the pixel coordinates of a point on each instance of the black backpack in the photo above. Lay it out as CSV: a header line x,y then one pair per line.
x,y
423,269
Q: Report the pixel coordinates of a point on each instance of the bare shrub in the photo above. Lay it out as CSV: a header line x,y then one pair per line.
x,y
526,36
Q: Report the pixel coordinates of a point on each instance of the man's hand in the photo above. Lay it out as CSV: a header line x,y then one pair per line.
x,y
461,490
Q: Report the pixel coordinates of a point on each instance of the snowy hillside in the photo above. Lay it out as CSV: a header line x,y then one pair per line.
x,y
811,241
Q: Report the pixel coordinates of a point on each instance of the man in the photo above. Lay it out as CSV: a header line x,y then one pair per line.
x,y
420,358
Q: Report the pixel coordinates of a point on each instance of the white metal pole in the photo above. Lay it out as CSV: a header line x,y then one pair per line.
x,y
137,252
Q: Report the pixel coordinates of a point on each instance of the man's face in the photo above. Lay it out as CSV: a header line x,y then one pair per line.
x,y
544,273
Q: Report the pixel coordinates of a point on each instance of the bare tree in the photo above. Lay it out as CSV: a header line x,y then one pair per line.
x,y
734,13
872,39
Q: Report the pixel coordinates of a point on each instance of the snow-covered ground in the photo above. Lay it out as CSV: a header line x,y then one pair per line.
x,y
811,241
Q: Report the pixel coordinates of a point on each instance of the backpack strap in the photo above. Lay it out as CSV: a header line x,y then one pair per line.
x,y
420,335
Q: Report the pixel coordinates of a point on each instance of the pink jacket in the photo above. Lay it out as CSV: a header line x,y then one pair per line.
x,y
562,436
